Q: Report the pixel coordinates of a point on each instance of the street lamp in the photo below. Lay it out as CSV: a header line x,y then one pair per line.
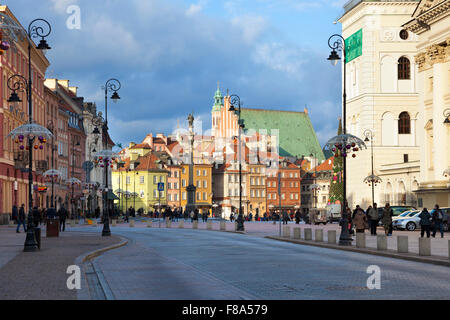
x,y
314,186
233,100
112,85
344,144
371,180
17,83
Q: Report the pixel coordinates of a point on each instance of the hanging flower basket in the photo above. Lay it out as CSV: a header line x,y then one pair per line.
x,y
345,145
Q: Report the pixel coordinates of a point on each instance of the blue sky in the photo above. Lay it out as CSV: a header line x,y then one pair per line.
x,y
170,54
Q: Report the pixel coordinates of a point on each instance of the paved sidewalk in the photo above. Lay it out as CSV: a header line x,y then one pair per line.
x,y
439,246
42,274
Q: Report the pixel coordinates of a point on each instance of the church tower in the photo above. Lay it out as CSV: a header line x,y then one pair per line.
x,y
215,113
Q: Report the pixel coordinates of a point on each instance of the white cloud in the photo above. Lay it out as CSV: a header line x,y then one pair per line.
x,y
60,6
194,9
279,57
252,26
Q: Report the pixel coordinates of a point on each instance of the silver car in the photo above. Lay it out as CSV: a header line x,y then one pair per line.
x,y
410,221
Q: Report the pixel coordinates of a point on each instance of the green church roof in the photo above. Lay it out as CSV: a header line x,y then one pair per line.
x,y
297,135
218,100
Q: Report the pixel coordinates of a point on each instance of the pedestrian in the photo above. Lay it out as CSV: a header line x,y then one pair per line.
x,y
206,216
360,221
231,217
21,219
297,216
127,215
436,218
36,216
62,214
196,214
387,219
97,212
425,222
350,221
373,219
285,217
250,216
15,213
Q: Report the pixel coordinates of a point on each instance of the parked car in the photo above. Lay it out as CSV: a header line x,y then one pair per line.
x,y
402,215
409,222
397,210
334,212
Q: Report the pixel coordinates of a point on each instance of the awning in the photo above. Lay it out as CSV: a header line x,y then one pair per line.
x,y
112,196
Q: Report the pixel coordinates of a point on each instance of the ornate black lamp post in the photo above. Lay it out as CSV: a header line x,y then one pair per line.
x,y
17,83
106,157
345,144
234,99
371,180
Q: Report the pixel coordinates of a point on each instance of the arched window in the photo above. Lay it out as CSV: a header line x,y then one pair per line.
x,y
404,123
403,69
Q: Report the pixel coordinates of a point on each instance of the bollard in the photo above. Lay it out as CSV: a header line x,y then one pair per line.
x,y
308,234
77,221
332,236
209,225
181,224
381,242
318,235
131,223
11,223
360,239
297,233
94,223
402,244
149,223
114,222
72,223
286,232
424,247
235,226
195,224
168,223
222,226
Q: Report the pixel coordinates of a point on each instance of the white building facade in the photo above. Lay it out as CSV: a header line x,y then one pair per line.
x,y
382,97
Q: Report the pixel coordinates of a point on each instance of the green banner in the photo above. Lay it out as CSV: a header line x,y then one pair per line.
x,y
353,46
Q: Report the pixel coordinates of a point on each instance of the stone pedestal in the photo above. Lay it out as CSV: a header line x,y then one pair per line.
x,y
424,247
308,234
195,224
332,236
286,232
360,240
181,224
318,235
381,242
222,225
114,222
235,226
149,224
131,223
297,233
209,225
402,244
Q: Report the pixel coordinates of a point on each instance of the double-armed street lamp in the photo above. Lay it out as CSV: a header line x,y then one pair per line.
x,y
371,180
234,99
30,132
106,157
344,144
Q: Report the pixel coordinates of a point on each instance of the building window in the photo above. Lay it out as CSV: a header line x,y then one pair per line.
x,y
405,157
169,197
155,179
403,68
204,196
404,123
403,34
141,179
183,183
128,180
205,184
204,173
184,195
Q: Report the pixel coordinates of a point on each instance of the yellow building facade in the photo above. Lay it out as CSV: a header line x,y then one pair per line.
x,y
203,183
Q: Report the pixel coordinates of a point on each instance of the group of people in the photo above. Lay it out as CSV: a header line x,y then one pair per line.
x,y
38,216
369,219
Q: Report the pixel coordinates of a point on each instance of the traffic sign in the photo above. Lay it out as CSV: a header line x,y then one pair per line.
x,y
160,186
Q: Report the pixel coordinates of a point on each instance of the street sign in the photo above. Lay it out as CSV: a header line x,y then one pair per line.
x,y
160,186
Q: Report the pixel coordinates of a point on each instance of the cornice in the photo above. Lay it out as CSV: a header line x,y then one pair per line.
x,y
436,53
422,22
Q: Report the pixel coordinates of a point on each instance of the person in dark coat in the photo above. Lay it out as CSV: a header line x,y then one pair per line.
x,y
15,213
425,222
297,217
196,214
21,219
437,218
97,212
62,214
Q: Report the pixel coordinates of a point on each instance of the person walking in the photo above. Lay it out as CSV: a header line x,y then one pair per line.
x,y
231,217
297,216
425,222
387,219
250,216
372,214
360,221
15,213
196,214
62,214
21,219
437,218
285,217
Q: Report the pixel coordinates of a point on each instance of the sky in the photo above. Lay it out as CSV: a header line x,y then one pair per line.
x,y
170,55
